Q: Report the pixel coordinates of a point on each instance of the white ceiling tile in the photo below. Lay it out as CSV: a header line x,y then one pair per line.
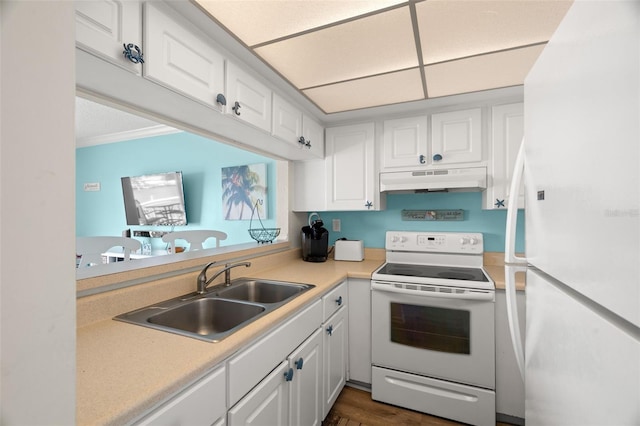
x,y
403,86
452,29
484,72
372,45
258,21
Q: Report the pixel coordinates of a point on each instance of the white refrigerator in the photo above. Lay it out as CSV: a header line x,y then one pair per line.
x,y
582,222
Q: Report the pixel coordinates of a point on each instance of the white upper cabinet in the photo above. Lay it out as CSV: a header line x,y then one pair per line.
x,y
507,130
247,98
291,125
405,143
350,168
107,28
456,137
181,59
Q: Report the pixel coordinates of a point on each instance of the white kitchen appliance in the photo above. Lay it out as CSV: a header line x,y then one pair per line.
x,y
349,250
581,157
433,340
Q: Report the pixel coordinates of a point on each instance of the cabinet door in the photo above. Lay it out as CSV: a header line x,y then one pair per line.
x,y
267,403
351,175
309,186
203,403
405,143
305,404
313,134
335,358
287,121
507,129
359,330
456,137
103,27
181,59
248,99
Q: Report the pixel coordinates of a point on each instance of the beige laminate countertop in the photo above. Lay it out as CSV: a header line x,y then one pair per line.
x,y
123,370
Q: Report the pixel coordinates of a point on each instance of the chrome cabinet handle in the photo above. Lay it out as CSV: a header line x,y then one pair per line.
x,y
133,53
236,108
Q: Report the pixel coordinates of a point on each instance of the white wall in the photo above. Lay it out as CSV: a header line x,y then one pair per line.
x,y
37,220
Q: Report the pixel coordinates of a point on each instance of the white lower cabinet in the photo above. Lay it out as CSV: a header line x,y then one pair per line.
x,y
509,385
202,403
305,396
359,344
335,358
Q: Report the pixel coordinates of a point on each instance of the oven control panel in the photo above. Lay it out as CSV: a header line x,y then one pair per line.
x,y
438,242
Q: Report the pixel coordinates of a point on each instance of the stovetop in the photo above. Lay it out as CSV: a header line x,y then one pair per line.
x,y
430,271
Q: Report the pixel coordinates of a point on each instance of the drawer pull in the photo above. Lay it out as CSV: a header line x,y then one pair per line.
x,y
339,301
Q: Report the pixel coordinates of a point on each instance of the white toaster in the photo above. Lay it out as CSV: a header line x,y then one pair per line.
x,y
351,250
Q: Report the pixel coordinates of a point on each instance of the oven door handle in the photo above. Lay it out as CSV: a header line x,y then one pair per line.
x,y
467,295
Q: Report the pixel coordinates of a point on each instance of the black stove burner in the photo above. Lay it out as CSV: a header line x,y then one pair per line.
x,y
429,271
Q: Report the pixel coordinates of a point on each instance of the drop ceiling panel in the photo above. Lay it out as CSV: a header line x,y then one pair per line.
x,y
403,86
503,69
451,29
368,46
259,21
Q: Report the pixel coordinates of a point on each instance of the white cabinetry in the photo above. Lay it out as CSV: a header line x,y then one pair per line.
x,y
360,330
305,396
352,180
507,129
509,386
247,98
179,58
335,345
456,137
104,27
296,128
405,142
203,403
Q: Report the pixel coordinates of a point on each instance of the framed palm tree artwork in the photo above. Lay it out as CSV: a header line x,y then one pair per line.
x,y
244,187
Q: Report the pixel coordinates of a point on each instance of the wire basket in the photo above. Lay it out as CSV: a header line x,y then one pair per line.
x,y
262,235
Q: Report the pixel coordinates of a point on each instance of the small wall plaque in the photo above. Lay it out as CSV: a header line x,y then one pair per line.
x,y
430,215
92,187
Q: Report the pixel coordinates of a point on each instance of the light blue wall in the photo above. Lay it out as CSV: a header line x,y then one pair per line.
x,y
371,226
199,159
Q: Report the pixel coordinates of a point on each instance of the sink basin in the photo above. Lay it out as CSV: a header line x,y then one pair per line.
x,y
207,316
262,291
217,314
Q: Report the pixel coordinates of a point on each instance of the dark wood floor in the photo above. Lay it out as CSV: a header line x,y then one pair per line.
x,y
355,407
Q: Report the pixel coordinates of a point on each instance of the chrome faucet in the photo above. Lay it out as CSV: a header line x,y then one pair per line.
x,y
202,277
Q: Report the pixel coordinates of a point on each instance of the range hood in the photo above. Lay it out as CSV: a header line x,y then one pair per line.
x,y
453,179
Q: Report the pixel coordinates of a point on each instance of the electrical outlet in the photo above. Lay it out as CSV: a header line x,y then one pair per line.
x,y
335,223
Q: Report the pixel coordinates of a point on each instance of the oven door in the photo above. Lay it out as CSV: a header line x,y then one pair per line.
x,y
440,332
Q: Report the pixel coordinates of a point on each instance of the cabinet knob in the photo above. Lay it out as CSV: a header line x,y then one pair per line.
x,y
339,301
288,375
304,143
236,108
299,363
133,53
221,99
499,203
330,330
422,159
368,204
437,157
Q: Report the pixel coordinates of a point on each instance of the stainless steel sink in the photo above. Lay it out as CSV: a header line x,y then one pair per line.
x,y
262,291
220,312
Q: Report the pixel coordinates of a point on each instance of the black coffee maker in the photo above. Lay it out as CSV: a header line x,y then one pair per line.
x,y
315,240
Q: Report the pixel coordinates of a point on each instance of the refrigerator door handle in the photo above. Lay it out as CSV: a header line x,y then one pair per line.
x,y
512,313
512,212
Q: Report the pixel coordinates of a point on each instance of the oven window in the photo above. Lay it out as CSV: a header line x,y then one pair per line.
x,y
426,327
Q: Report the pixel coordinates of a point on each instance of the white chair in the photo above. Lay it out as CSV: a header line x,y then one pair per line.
x,y
195,238
91,248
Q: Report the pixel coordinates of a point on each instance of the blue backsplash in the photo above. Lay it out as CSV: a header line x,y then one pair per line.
x,y
371,226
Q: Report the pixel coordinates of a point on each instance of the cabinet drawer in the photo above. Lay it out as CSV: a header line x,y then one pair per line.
x,y
253,364
334,300
202,403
